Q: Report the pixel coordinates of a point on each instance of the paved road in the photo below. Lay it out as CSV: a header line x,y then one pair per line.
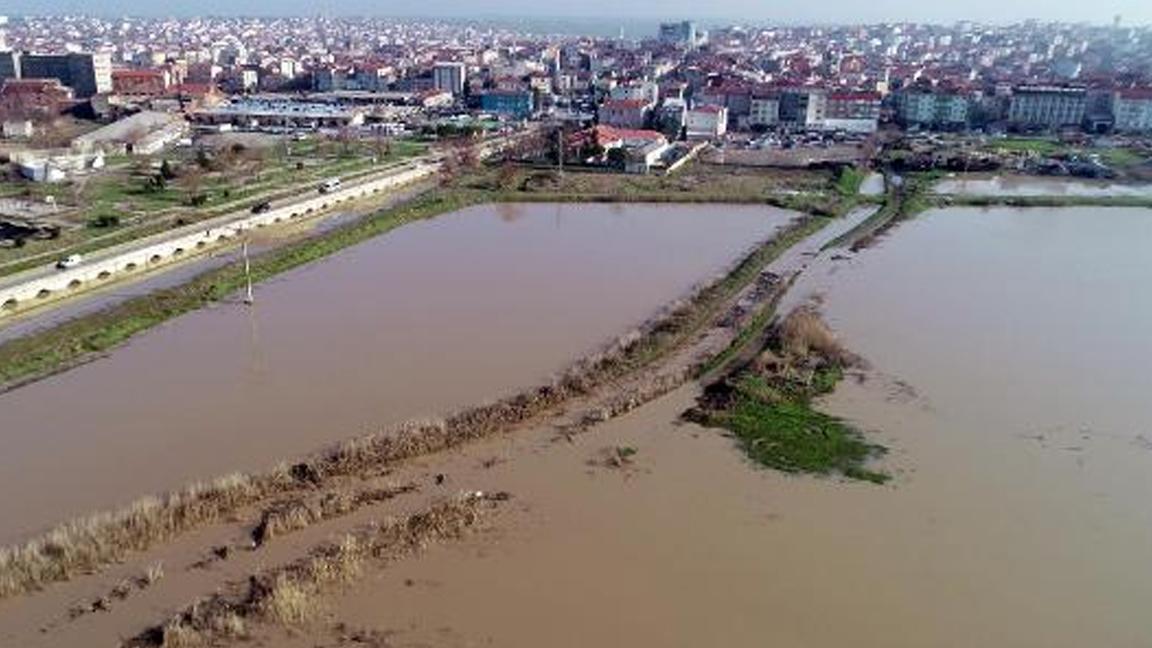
x,y
218,221
167,276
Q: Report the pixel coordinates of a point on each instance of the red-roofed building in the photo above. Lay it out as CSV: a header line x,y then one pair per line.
x,y
34,98
609,137
625,113
641,148
141,83
855,112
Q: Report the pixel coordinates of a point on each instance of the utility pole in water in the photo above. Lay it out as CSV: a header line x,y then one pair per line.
x,y
560,149
249,298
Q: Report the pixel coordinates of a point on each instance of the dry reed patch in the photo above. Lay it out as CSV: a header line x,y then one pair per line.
x,y
803,333
292,594
299,513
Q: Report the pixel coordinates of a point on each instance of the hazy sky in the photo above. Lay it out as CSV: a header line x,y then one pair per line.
x,y
821,11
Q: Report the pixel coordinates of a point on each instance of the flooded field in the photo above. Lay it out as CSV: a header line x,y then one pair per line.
x,y
1009,355
873,185
436,315
1038,186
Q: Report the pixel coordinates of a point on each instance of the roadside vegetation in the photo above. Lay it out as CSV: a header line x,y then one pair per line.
x,y
768,404
137,197
848,181
813,191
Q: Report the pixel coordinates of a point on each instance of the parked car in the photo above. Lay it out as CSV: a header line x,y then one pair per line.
x,y
70,261
261,207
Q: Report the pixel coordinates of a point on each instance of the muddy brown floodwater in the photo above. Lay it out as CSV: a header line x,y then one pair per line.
x,y
436,315
1009,352
1038,186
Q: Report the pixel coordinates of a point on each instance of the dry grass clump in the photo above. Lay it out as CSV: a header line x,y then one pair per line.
x,y
288,603
299,513
290,594
84,545
803,333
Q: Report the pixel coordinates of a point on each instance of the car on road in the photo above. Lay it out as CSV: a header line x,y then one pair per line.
x,y
261,207
329,185
70,261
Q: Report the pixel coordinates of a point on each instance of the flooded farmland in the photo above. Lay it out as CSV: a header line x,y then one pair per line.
x,y
434,316
1009,356
1038,186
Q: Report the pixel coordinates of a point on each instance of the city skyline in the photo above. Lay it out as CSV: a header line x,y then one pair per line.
x,y
835,12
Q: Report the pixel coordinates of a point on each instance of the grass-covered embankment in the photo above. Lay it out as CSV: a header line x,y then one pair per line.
x,y
903,200
810,191
768,405
958,200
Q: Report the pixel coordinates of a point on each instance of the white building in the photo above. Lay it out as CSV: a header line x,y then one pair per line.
x,y
764,111
1133,110
641,159
647,91
144,133
450,77
18,128
706,122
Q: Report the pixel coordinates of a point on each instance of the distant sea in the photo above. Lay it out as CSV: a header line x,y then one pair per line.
x,y
628,28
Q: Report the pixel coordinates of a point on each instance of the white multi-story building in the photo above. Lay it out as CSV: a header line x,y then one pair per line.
x,y
706,122
930,108
647,91
1047,107
1133,110
450,77
764,111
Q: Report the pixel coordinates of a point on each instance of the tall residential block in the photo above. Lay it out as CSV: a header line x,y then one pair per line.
x,y
87,74
679,33
450,77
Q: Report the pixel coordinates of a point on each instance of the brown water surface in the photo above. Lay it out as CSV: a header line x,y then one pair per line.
x,y
1010,355
1038,186
436,315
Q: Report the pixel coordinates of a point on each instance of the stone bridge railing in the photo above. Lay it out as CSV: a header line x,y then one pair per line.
x,y
169,247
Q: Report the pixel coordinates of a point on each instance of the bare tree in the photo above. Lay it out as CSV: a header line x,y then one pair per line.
x,y
192,179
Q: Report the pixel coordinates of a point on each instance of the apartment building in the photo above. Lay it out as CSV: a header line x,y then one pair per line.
x,y
1042,107
853,112
931,109
764,111
1133,110
450,77
803,108
87,74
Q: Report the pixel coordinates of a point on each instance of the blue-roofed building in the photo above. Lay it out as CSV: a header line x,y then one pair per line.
x,y
511,103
